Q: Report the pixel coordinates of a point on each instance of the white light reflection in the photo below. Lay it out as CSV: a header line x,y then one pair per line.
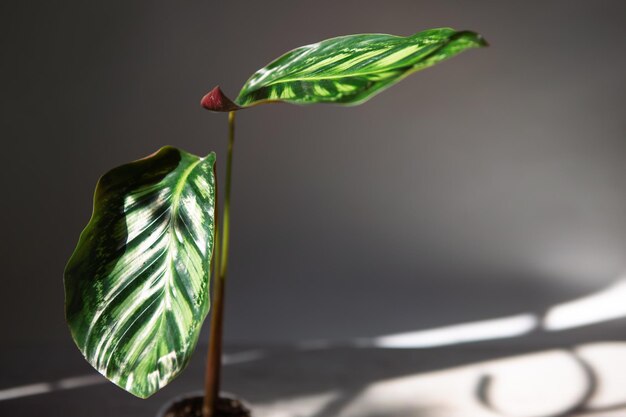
x,y
542,384
25,391
95,379
242,357
499,328
605,305
45,387
305,406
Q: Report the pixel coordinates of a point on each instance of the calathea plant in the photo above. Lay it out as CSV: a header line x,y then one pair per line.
x,y
137,286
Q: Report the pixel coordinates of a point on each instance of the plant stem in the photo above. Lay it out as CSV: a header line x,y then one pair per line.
x,y
220,268
226,220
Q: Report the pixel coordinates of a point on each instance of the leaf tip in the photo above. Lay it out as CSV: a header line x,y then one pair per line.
x,y
482,41
216,100
476,38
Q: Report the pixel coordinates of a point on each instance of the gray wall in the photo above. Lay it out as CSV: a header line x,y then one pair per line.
x,y
490,185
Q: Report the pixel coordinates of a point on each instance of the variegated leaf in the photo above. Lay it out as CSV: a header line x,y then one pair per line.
x,y
137,284
345,70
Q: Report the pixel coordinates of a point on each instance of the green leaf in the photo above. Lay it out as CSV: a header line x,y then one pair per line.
x,y
137,284
347,70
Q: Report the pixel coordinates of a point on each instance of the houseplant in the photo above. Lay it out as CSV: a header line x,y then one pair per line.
x,y
137,285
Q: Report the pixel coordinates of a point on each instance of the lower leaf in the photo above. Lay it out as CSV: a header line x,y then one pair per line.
x,y
137,284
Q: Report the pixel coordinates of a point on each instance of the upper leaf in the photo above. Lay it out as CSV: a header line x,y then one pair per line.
x,y
137,284
345,70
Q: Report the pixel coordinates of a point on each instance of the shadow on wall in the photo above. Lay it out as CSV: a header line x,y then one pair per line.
x,y
564,370
587,380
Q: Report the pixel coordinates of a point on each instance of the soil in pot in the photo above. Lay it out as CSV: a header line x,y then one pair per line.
x,y
192,407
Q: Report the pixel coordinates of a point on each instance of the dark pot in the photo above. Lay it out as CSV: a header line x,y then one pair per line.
x,y
190,405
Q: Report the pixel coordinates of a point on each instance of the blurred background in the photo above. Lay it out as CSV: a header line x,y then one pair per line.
x,y
487,190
